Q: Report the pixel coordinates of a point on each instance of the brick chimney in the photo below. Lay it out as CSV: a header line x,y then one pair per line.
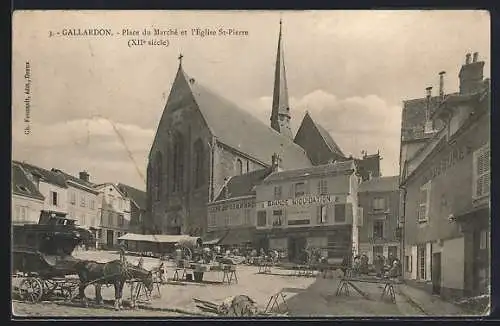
x,y
441,84
84,175
471,74
276,163
428,127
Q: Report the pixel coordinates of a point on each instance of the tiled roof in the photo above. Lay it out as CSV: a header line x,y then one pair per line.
x,y
242,131
380,184
312,171
45,175
138,196
69,177
22,186
242,185
413,119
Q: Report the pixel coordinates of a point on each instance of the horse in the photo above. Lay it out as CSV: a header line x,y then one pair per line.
x,y
114,272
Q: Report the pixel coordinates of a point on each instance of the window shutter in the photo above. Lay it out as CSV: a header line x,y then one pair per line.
x,y
348,213
428,200
318,214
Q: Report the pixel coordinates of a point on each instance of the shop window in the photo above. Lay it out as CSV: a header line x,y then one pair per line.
x,y
379,203
261,218
277,217
277,192
300,189
378,229
424,201
481,173
340,212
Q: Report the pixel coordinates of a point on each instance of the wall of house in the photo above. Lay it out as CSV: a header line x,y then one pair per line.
x,y
62,203
83,206
111,206
25,209
231,213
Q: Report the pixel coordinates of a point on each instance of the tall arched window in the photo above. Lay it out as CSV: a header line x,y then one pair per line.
x,y
157,176
198,163
239,167
178,163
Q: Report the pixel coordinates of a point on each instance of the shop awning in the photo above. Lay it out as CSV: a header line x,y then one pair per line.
x,y
238,236
157,238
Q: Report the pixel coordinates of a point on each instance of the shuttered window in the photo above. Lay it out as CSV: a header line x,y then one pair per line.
x,y
423,206
481,165
322,213
322,187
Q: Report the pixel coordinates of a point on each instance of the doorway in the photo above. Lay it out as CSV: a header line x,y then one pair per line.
x,y
110,238
436,273
296,247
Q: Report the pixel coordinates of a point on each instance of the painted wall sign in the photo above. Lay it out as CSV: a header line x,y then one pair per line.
x,y
440,166
301,201
231,206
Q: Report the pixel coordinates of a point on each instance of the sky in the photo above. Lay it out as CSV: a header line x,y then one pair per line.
x,y
95,102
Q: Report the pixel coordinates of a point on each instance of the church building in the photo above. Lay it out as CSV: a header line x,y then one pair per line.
x,y
203,140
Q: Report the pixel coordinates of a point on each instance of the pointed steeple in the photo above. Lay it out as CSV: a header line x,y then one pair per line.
x,y
280,114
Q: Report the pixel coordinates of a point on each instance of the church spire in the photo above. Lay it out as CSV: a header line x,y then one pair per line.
x,y
280,115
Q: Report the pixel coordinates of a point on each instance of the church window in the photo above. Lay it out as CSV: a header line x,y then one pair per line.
x,y
157,176
248,166
198,163
239,167
178,164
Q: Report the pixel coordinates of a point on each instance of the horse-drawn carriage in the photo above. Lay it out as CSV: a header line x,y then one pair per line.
x,y
43,264
42,260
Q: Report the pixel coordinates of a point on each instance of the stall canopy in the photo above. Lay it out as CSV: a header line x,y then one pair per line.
x,y
159,238
237,236
214,238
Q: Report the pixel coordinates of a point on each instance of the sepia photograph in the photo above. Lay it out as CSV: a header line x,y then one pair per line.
x,y
250,164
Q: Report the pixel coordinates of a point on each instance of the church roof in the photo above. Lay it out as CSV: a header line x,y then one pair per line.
x,y
243,185
326,137
242,131
315,171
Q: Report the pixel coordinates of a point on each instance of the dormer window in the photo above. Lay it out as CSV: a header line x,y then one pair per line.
x,y
23,188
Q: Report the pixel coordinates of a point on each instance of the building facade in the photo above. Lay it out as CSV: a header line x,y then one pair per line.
x,y
446,192
114,215
27,201
137,207
312,207
379,225
82,200
51,185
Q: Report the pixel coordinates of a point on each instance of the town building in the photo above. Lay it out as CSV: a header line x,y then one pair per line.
x,y
51,185
203,139
445,183
81,200
231,217
114,215
314,207
27,201
378,199
137,207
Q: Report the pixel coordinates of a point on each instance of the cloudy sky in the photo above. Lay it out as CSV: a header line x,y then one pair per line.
x,y
96,103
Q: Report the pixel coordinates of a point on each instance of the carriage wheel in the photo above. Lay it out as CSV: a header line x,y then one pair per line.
x,y
31,289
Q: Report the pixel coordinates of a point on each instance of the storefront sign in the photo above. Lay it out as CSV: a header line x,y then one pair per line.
x,y
230,206
301,201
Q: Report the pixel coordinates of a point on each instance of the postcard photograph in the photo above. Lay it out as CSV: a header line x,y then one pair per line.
x,y
250,163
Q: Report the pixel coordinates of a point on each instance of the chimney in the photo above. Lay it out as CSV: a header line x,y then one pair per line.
x,y
84,175
428,127
471,75
467,58
441,84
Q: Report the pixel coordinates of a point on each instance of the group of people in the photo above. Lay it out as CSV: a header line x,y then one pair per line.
x,y
383,267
